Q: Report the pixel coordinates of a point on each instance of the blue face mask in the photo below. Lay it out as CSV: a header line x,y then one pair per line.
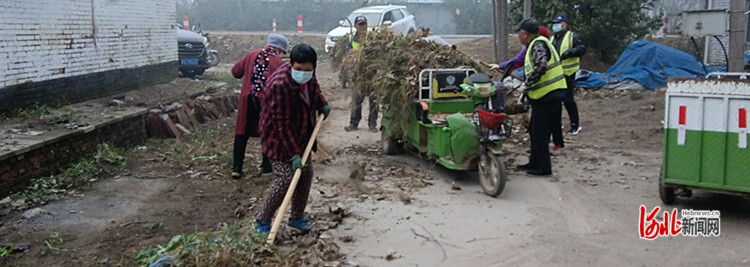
x,y
302,77
557,27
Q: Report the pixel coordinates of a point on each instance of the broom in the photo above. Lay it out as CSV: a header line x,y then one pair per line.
x,y
290,192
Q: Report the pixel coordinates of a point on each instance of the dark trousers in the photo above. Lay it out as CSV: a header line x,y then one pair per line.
x,y
571,107
543,112
356,115
570,102
557,132
240,144
240,141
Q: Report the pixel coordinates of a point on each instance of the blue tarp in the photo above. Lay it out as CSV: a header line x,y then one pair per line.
x,y
649,64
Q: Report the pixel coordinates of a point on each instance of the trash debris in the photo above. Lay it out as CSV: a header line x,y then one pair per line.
x,y
5,200
406,199
391,256
588,182
17,247
454,186
346,238
34,212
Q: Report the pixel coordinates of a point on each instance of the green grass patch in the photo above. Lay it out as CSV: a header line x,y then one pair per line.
x,y
31,113
77,175
6,251
227,247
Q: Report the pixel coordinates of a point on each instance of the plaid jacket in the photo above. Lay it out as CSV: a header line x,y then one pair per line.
x,y
288,117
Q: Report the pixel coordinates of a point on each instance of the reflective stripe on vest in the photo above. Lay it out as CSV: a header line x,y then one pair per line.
x,y
571,64
552,79
355,44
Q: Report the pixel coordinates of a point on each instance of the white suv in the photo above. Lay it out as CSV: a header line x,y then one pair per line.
x,y
394,17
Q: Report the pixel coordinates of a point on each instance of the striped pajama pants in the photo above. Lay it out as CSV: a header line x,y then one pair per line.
x,y
275,195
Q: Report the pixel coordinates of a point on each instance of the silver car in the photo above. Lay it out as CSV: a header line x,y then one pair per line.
x,y
394,17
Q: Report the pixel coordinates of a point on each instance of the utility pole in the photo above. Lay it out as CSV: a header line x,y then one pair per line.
x,y
495,39
737,24
526,9
500,29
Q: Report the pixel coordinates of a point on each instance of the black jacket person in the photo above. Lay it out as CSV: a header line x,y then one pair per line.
x,y
570,48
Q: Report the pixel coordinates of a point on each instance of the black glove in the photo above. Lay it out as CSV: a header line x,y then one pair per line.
x,y
565,55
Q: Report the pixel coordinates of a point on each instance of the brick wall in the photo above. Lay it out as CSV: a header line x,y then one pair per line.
x,y
57,48
18,168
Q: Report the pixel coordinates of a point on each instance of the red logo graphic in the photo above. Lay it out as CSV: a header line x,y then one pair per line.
x,y
649,228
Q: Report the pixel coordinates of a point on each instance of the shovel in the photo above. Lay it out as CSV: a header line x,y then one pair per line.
x,y
290,192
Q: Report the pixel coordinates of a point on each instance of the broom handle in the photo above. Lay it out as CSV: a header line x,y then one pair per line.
x,y
290,192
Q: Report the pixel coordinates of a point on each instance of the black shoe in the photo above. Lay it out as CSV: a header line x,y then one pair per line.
x,y
265,167
538,173
526,166
574,129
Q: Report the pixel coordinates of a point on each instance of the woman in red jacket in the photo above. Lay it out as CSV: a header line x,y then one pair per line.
x,y
255,67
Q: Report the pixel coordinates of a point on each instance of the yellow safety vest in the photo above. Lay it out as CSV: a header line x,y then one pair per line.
x,y
572,64
356,45
552,79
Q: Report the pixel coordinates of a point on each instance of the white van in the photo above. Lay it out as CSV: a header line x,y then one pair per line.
x,y
394,17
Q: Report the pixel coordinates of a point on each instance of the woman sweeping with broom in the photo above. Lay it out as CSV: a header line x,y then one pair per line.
x,y
291,102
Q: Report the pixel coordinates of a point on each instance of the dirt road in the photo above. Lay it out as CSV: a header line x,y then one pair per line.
x,y
586,214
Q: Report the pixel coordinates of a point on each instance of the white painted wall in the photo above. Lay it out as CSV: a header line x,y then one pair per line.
x,y
48,39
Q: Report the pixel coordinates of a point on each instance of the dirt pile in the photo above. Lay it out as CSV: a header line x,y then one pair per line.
x,y
481,49
233,46
388,68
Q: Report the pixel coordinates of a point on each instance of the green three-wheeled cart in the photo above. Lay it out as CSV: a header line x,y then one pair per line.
x,y
450,122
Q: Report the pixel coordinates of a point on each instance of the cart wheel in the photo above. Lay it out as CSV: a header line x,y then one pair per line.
x,y
390,145
666,194
492,174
